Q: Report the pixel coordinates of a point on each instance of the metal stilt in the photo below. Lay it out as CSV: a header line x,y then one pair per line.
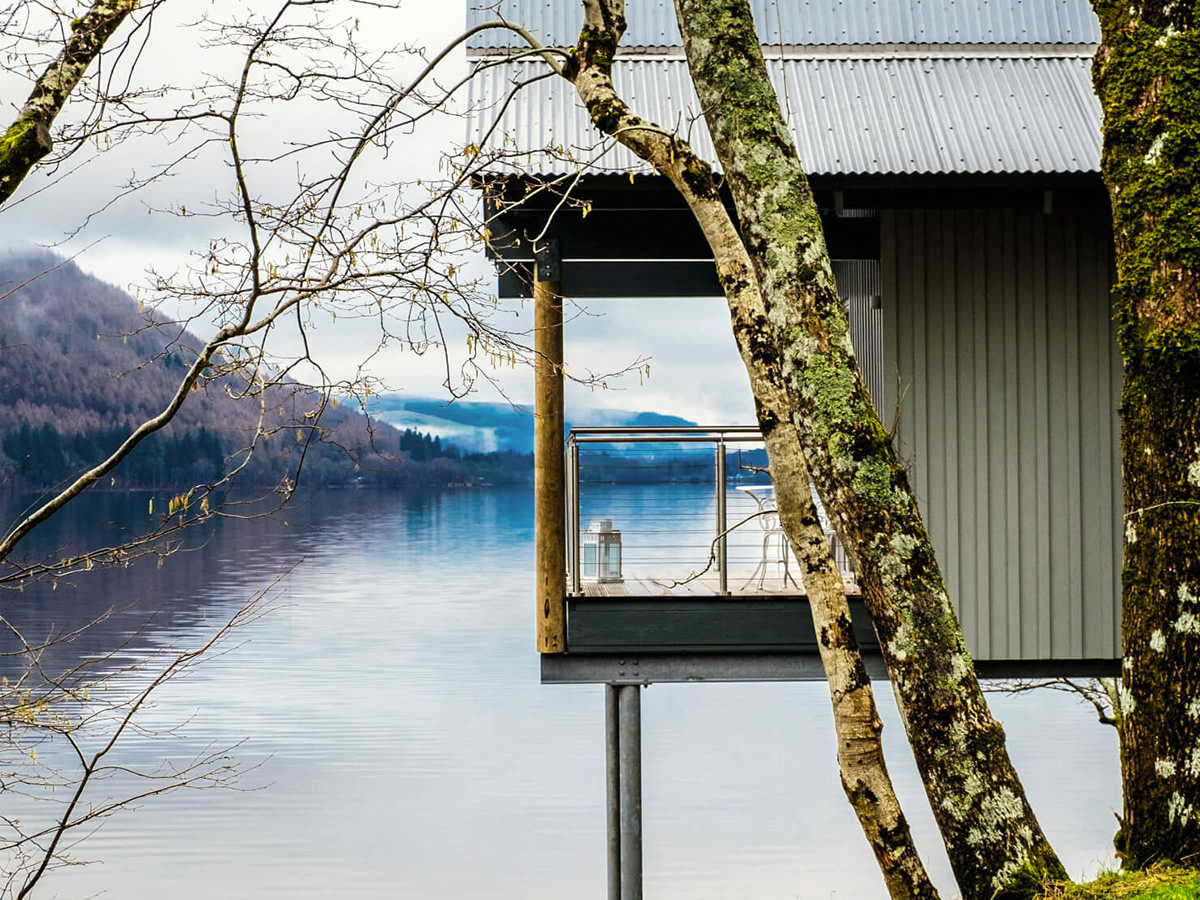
x,y
630,751
623,783
612,772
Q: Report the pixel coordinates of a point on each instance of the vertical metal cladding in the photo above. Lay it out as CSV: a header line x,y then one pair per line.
x,y
1002,369
861,287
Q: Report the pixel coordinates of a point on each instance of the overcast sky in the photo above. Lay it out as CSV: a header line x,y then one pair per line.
x,y
694,368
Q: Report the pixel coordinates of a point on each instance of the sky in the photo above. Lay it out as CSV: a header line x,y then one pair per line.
x,y
82,210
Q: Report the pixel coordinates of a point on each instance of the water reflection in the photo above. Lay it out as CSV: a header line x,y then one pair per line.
x,y
407,749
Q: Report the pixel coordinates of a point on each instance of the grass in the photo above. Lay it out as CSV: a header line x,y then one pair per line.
x,y
1160,882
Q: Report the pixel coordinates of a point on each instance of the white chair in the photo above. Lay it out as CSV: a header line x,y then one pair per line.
x,y
775,549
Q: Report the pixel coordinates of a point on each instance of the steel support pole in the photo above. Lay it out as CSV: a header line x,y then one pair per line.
x,y
612,777
630,751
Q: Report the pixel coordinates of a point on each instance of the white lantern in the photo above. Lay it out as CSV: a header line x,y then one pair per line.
x,y
601,553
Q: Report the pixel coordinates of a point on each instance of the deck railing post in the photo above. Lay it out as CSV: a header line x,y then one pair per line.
x,y
721,547
573,513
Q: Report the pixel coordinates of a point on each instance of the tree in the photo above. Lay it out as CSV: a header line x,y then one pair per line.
x,y
301,227
864,774
42,706
1147,76
801,336
28,139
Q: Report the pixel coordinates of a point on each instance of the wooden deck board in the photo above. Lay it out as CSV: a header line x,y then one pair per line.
x,y
741,584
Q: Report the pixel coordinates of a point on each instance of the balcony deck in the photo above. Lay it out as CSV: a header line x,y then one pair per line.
x,y
688,502
705,567
741,584
760,613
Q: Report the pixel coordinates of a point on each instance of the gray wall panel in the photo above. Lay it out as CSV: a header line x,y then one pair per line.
x,y
998,325
860,287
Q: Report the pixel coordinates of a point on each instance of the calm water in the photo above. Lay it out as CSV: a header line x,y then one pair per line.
x,y
404,747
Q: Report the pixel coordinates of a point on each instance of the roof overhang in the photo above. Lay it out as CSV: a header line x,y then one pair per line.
x,y
849,115
621,238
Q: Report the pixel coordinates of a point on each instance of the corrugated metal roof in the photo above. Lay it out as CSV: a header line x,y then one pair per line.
x,y
796,22
861,116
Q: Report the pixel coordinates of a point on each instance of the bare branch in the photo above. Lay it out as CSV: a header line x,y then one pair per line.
x,y
28,138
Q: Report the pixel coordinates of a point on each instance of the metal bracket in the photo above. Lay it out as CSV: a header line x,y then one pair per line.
x,y
548,257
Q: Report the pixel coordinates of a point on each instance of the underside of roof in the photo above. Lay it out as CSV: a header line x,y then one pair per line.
x,y
849,116
808,22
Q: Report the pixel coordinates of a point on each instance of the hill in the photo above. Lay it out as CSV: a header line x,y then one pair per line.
x,y
80,365
496,427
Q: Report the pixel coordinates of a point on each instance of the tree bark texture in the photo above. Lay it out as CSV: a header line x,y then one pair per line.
x,y
995,844
1147,76
860,754
28,139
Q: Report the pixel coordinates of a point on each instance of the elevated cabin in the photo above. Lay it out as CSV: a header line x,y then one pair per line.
x,y
954,152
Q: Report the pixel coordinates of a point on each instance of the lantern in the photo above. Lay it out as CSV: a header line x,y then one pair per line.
x,y
601,547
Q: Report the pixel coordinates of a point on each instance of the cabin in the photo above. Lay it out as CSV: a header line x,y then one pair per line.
x,y
954,151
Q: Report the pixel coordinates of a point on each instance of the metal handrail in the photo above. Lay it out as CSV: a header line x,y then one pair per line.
x,y
663,434
719,436
573,515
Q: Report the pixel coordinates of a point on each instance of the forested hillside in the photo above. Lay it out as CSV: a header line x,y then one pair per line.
x,y
80,366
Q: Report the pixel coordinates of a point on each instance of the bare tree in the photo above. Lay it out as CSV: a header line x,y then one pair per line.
x,y
317,218
45,709
860,755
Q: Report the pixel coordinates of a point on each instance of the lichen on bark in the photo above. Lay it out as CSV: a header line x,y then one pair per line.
x,y
990,831
864,774
1147,77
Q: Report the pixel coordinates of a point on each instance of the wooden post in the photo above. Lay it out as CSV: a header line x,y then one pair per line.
x,y
549,476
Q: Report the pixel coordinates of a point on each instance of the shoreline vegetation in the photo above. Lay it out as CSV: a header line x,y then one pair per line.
x,y
1159,882
37,457
83,365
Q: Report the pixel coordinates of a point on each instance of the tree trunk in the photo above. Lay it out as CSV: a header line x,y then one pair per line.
x,y
992,837
1147,76
860,754
28,138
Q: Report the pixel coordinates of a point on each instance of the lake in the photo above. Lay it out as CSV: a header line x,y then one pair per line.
x,y
402,746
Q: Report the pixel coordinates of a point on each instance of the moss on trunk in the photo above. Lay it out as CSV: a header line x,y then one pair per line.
x,y
993,839
864,774
28,139
1147,76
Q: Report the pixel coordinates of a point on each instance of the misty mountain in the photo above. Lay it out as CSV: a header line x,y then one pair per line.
x,y
497,427
80,366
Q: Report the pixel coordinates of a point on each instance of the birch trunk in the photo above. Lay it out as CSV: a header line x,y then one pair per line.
x,y
28,139
860,756
995,844
1147,76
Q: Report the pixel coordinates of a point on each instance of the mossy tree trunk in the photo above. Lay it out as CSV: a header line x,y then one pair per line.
x,y
1147,76
864,774
28,139
992,837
